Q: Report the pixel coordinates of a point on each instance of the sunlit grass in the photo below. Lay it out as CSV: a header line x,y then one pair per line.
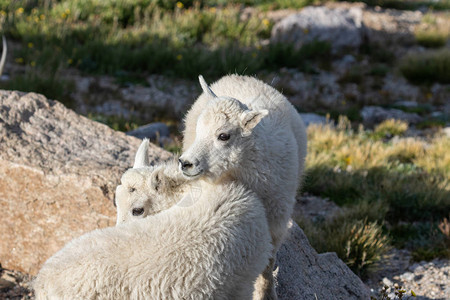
x,y
386,180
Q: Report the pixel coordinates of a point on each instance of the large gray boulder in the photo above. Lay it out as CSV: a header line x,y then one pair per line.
x,y
302,274
340,26
58,173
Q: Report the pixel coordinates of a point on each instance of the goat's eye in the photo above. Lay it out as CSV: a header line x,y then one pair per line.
x,y
224,137
131,189
137,211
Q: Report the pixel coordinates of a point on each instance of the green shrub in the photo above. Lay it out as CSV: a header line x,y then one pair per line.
x,y
359,243
424,239
427,67
352,112
390,128
431,123
431,38
379,70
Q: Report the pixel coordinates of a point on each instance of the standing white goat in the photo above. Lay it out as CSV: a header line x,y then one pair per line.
x,y
245,130
212,249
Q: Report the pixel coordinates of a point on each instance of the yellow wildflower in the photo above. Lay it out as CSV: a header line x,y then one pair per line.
x,y
70,61
19,11
19,60
2,12
63,15
212,10
179,57
180,5
33,63
42,17
348,160
305,30
67,11
30,45
266,22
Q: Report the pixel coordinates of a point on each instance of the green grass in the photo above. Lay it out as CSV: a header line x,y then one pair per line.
x,y
389,128
427,67
116,122
408,4
431,39
131,39
403,187
359,243
431,123
51,86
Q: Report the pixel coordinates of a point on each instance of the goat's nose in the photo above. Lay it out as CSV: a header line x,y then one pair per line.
x,y
184,164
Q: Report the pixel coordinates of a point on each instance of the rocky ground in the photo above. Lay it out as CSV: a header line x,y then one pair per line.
x,y
428,280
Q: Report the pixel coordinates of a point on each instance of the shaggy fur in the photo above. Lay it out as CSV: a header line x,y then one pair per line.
x,y
265,151
212,249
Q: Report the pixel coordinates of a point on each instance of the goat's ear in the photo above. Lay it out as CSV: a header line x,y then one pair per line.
x,y
250,118
165,181
141,159
205,87
155,180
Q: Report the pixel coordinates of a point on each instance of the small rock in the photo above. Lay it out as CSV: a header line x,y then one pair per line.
x,y
152,131
387,282
446,130
311,118
408,104
416,268
408,276
374,114
343,65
